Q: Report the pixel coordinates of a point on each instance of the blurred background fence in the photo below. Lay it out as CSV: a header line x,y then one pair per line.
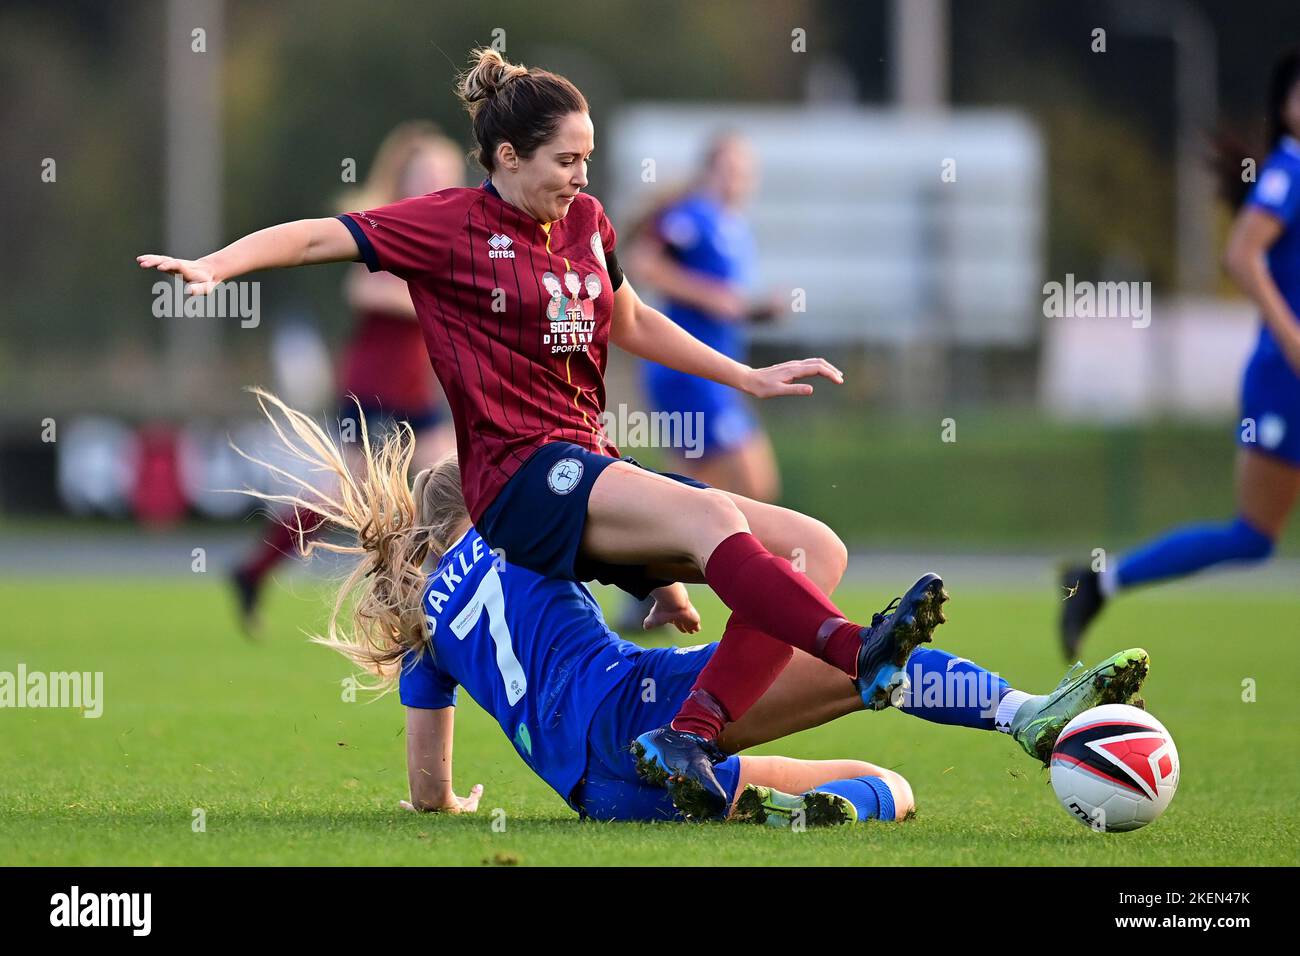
x,y
928,168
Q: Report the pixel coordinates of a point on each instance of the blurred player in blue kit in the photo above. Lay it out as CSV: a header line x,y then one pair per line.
x,y
1263,258
697,251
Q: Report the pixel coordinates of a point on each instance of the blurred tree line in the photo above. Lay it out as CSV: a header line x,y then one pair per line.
x,y
308,84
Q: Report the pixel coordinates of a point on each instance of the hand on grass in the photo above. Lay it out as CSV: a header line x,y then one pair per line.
x,y
454,805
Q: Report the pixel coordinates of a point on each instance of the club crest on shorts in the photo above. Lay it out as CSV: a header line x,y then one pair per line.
x,y
564,475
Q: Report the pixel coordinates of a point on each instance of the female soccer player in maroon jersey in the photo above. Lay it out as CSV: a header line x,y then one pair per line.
x,y
384,364
523,368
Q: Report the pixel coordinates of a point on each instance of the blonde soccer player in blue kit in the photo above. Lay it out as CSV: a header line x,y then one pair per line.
x,y
431,608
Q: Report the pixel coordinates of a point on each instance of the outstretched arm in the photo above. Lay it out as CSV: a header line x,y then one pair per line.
x,y
299,243
428,763
647,332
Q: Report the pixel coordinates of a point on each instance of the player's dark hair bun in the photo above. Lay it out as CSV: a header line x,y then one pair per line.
x,y
487,75
509,103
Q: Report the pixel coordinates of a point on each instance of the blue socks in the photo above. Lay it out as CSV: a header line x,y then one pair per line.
x,y
728,774
1187,550
871,796
952,690
945,689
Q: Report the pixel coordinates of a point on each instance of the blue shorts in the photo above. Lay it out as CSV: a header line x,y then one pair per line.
x,y
718,416
380,419
648,697
537,519
1270,398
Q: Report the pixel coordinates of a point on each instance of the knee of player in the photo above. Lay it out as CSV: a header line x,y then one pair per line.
x,y
904,803
819,551
837,553
718,515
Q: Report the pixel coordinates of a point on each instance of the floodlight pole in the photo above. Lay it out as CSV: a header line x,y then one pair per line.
x,y
192,207
1197,107
919,59
920,54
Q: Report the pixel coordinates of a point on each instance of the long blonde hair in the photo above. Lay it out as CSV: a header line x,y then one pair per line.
x,y
394,526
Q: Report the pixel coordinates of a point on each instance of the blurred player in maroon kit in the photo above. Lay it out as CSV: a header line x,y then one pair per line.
x,y
542,482
385,365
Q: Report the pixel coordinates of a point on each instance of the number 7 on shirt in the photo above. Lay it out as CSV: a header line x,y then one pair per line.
x,y
490,598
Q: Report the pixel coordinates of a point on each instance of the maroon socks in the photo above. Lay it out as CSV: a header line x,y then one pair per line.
x,y
759,586
743,667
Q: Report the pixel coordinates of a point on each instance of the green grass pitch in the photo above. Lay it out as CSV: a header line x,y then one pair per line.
x,y
286,772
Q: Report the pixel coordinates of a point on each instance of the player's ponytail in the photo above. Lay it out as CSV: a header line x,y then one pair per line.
x,y
393,530
509,103
1227,153
1286,74
1230,151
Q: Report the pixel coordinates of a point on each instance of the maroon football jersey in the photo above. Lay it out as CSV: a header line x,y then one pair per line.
x,y
515,316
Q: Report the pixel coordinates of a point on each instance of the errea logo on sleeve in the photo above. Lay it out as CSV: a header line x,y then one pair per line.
x,y
499,247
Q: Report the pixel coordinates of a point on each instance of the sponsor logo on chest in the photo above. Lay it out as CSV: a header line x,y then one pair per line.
x,y
570,310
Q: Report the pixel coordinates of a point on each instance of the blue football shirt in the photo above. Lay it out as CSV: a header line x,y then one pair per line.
x,y
703,236
1277,191
534,652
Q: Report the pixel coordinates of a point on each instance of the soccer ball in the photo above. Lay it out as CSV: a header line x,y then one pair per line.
x,y
1115,768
